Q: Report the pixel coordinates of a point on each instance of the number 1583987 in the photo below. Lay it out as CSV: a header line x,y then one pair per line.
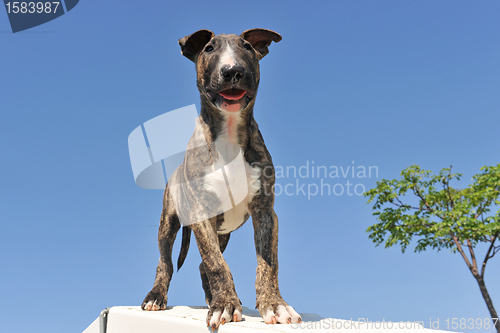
x,y
32,7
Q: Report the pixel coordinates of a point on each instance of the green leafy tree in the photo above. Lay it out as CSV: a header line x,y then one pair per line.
x,y
426,207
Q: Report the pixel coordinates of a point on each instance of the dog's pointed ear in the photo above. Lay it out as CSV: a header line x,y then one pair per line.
x,y
192,45
261,39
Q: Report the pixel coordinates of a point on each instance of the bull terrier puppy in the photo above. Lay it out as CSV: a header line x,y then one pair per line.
x,y
226,177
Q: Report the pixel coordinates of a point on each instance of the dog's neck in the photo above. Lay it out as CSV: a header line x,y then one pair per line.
x,y
225,126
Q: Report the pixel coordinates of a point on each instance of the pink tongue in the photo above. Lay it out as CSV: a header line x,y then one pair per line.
x,y
233,94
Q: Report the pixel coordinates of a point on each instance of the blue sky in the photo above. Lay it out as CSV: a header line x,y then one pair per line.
x,y
381,83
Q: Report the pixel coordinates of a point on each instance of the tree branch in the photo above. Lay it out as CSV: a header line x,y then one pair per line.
x,y
407,206
459,247
473,257
448,190
418,194
492,247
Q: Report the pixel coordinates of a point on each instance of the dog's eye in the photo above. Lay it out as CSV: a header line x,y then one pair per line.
x,y
247,47
209,48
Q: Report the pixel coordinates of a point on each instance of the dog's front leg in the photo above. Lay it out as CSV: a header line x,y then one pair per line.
x,y
270,304
225,305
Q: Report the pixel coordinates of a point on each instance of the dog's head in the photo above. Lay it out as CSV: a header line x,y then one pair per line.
x,y
227,66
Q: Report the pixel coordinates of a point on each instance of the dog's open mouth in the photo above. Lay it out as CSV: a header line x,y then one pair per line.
x,y
233,94
232,100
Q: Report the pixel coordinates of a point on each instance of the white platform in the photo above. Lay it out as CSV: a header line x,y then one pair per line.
x,y
131,319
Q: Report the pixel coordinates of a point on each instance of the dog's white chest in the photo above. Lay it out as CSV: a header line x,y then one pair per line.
x,y
233,181
244,190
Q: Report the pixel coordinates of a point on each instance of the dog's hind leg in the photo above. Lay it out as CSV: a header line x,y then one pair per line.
x,y
169,226
223,240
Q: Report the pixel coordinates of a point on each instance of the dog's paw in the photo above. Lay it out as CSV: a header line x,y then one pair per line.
x,y
154,301
278,312
224,311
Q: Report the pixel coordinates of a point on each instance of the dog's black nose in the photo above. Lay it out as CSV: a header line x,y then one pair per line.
x,y
234,73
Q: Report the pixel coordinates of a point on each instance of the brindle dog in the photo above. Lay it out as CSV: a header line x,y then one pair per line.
x,y
227,68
